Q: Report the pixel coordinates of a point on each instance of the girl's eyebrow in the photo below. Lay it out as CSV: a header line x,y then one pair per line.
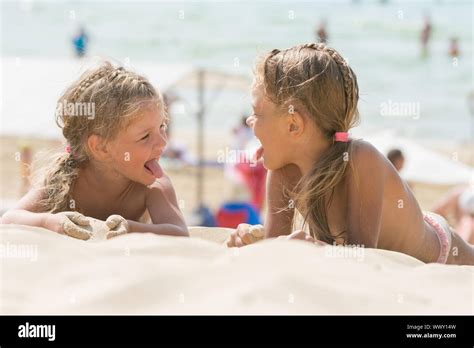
x,y
162,119
256,110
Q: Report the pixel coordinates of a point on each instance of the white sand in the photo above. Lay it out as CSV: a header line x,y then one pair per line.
x,y
149,274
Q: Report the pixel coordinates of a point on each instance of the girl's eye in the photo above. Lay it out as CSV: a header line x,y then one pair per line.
x,y
145,137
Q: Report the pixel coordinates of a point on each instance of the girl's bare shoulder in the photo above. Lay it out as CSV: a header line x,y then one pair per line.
x,y
163,183
162,203
366,158
161,189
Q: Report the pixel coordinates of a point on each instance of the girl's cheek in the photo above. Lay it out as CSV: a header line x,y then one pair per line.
x,y
163,138
144,147
258,128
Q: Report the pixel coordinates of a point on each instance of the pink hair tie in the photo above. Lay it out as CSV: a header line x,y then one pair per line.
x,y
68,148
341,136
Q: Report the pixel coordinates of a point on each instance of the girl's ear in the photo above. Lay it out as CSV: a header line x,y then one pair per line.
x,y
97,147
295,123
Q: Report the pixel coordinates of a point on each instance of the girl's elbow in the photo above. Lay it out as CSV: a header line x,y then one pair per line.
x,y
183,232
7,217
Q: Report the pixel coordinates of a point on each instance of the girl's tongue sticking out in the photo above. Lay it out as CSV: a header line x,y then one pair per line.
x,y
154,167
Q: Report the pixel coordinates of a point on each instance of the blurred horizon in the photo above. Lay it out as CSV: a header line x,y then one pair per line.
x,y
381,41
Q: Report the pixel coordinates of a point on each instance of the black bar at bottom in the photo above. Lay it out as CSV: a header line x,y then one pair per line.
x,y
219,330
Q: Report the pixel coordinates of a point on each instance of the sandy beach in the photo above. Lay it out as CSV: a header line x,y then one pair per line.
x,y
150,274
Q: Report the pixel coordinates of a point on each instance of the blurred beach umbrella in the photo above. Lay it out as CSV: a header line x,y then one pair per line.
x,y
203,80
421,164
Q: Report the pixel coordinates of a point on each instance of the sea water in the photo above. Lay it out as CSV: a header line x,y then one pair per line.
x,y
380,40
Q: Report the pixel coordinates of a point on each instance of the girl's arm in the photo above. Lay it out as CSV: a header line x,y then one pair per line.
x,y
366,182
24,217
280,211
165,214
26,211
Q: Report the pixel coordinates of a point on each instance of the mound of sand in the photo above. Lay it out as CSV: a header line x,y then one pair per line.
x,y
46,273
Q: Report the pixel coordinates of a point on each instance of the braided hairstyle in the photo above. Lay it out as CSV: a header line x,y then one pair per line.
x,y
317,81
115,96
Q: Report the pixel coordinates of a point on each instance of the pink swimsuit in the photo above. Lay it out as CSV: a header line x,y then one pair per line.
x,y
443,231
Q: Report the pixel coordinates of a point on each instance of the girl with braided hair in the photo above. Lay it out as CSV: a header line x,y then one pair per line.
x,y
305,102
109,170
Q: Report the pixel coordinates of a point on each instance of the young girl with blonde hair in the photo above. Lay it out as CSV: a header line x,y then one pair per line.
x,y
114,122
305,102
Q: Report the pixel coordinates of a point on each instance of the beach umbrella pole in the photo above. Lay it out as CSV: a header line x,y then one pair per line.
x,y
200,138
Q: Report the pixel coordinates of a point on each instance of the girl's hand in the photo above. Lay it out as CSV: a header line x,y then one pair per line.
x,y
54,222
245,234
302,235
70,223
117,225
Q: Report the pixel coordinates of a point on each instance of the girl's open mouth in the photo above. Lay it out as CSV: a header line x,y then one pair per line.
x,y
258,153
154,168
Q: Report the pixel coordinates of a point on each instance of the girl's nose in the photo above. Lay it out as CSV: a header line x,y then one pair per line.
x,y
250,121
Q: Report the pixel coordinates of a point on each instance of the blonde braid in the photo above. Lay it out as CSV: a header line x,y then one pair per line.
x,y
117,72
314,46
349,82
86,83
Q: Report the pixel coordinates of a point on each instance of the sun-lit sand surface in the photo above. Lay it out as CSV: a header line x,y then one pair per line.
x,y
149,274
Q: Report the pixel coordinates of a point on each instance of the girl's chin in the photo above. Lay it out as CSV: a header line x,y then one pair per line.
x,y
146,181
149,179
266,164
269,165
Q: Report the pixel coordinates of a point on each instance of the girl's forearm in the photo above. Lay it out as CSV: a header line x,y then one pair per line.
x,y
24,217
163,229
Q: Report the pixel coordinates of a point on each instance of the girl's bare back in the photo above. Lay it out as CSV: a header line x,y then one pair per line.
x,y
372,207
